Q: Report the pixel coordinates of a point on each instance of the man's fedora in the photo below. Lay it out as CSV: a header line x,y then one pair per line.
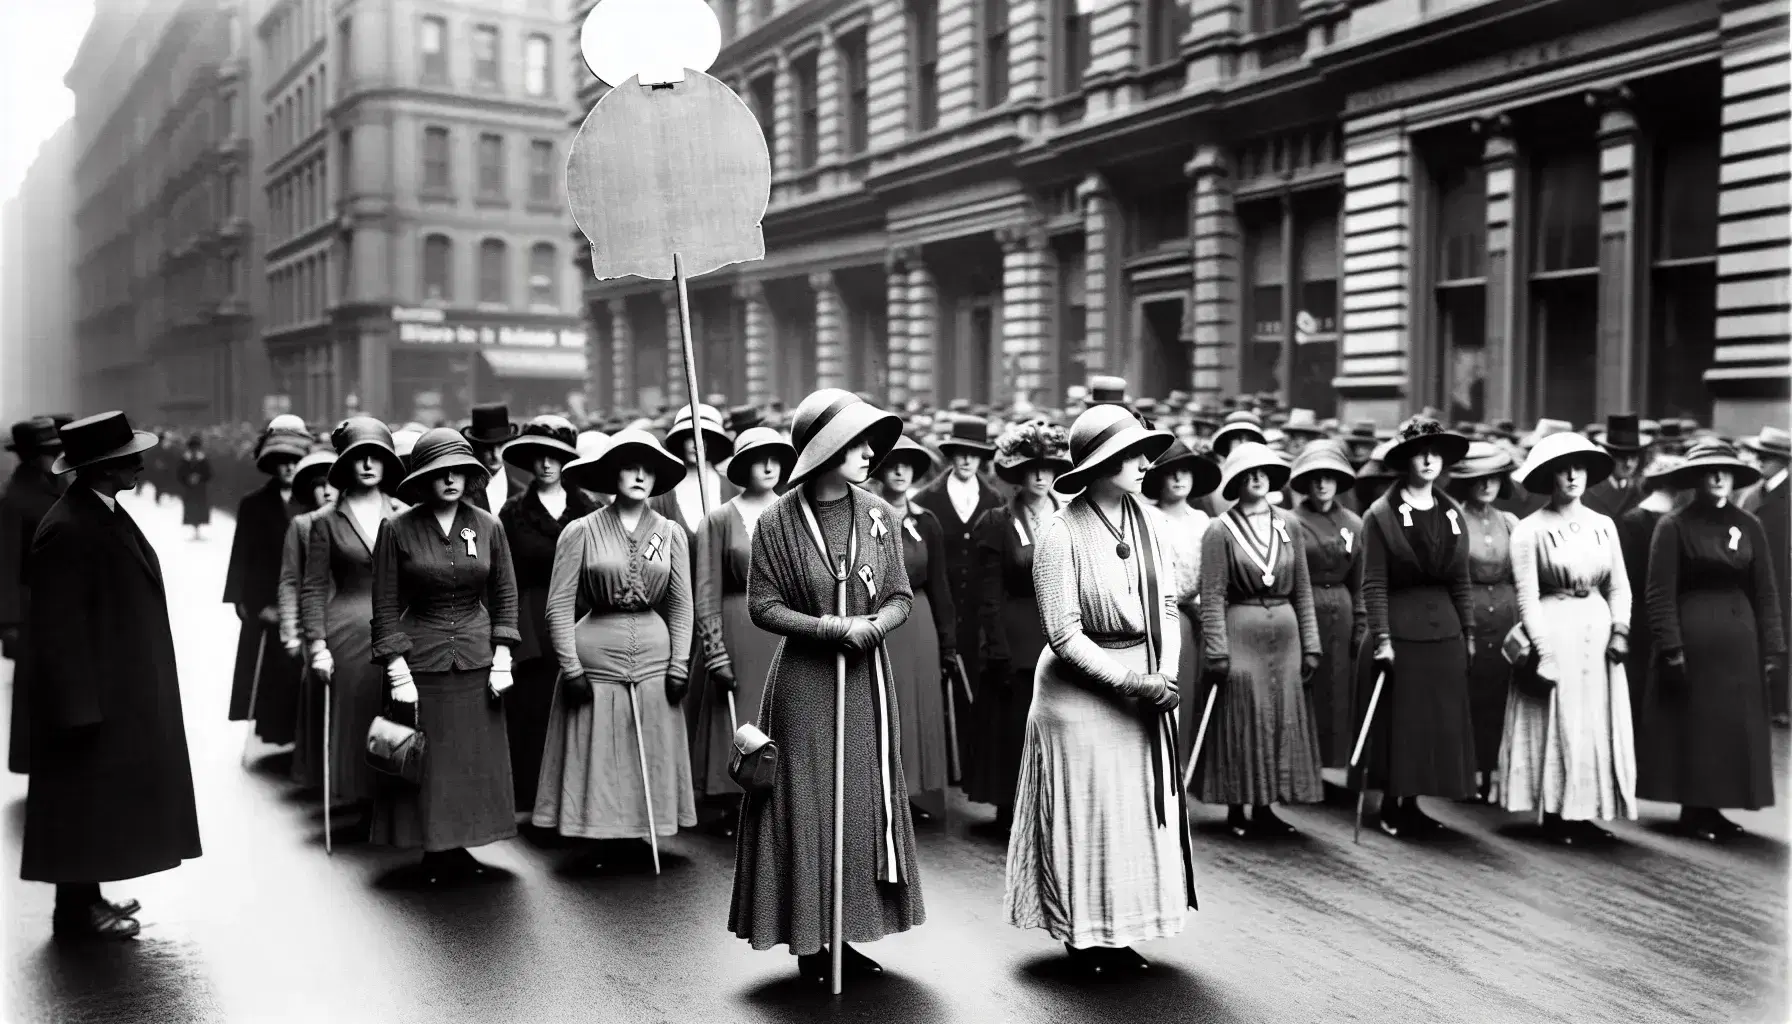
x,y
490,424
1774,442
35,436
100,438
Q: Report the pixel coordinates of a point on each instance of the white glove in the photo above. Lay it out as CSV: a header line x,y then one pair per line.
x,y
293,648
321,661
398,678
500,678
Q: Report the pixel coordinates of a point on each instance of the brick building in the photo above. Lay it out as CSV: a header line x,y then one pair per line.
x,y
1501,207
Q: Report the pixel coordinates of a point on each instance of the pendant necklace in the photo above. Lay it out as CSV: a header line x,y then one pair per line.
x,y
1121,548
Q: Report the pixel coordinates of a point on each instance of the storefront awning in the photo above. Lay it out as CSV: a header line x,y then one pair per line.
x,y
533,364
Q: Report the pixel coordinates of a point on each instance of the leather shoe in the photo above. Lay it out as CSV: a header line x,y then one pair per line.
x,y
1090,961
919,816
126,908
1238,824
856,962
1393,828
1265,823
1125,959
97,921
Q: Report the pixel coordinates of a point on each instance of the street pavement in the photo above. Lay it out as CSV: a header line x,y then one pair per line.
x,y
1483,923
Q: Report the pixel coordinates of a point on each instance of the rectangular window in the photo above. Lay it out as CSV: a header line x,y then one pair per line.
x,y
995,53
1683,272
432,43
438,280
1566,225
808,111
541,171
1165,23
493,288
1460,295
537,56
491,165
764,91
1070,45
1316,305
544,274
485,56
1160,217
436,170
1073,310
1266,269
924,62
857,87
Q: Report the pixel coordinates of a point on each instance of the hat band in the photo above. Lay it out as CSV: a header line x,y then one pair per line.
x,y
809,432
1102,438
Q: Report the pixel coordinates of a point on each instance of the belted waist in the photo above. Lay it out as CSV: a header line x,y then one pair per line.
x,y
1260,602
1116,641
1569,592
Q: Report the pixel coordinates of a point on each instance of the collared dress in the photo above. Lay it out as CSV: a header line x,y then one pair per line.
x,y
784,847
336,606
533,534
1416,591
619,613
1707,742
442,600
1572,593
1098,855
1333,541
1257,611
307,748
1008,608
1492,589
916,647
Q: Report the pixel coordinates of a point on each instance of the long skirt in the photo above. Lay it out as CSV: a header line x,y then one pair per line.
x,y
1590,771
357,693
276,699
18,745
1331,690
464,796
590,784
1707,742
1422,742
914,650
750,654
1262,747
998,733
1489,676
527,705
783,893
1087,860
308,728
196,506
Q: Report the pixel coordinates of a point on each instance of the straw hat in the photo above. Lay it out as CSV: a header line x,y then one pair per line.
x,y
1419,432
1550,452
1707,455
438,451
753,446
1773,442
1103,433
358,436
717,445
1204,471
544,435
1326,456
1247,456
1545,428
99,439
631,447
829,420
1022,446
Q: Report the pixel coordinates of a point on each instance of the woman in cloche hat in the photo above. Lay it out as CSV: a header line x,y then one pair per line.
x,y
1262,647
827,521
1333,540
1570,706
738,654
1714,615
1482,478
533,521
619,614
1636,530
444,623
1029,457
1176,483
1420,634
311,491
1098,856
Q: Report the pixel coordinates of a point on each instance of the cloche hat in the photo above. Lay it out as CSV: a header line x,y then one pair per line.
x,y
438,451
1247,456
358,436
1101,434
1324,456
1709,454
755,445
717,445
829,420
630,447
547,434
1205,472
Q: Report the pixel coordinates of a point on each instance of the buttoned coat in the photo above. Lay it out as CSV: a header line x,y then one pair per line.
x,y
961,563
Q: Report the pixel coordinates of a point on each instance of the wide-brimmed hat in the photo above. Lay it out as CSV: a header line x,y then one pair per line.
x,y
970,434
1425,432
1249,455
490,424
1624,434
717,445
1485,459
35,436
287,437
829,420
1775,442
99,438
1304,422
1100,435
1709,454
1545,428
906,450
630,447
1661,468
1203,471
312,470
1242,425
437,451
364,435
405,441
1025,444
1555,449
755,445
1326,456
546,434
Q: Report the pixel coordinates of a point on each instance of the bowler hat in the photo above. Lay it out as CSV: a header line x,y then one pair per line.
x,y
364,435
97,439
829,420
1101,434
629,447
438,451
34,436
490,424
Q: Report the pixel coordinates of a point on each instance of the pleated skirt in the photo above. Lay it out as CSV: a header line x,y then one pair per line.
x,y
464,797
914,650
1087,860
1332,691
750,654
1262,747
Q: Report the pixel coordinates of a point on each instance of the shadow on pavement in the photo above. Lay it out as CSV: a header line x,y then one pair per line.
x,y
886,998
140,980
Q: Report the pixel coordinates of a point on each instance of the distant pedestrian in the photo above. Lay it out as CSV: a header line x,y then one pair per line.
x,y
29,494
111,792
194,474
265,687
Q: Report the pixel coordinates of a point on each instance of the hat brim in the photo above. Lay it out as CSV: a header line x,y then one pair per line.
x,y
279,450
313,475
716,444
342,471
512,433
140,442
1016,472
1754,445
743,460
848,425
1203,471
1451,446
1278,476
1535,479
1150,441
1227,431
407,489
599,474
952,445
523,451
1297,482
1687,475
920,458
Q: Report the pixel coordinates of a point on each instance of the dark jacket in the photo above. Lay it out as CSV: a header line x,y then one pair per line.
x,y
961,562
533,536
515,481
253,580
29,496
111,787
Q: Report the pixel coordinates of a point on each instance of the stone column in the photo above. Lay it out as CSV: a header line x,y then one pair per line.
x,y
1620,258
1115,43
676,392
828,101
1026,314
758,329
1211,43
1213,300
830,341
1374,378
923,314
1506,361
896,265
783,118
1097,204
622,357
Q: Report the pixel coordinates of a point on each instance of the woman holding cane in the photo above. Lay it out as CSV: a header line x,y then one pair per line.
x,y
826,523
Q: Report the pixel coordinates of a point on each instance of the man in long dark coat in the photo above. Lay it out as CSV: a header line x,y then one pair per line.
x,y
252,584
29,494
488,432
1773,448
1625,442
111,793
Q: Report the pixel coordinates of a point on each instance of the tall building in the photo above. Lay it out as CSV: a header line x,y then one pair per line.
x,y
1553,208
37,351
166,262
417,251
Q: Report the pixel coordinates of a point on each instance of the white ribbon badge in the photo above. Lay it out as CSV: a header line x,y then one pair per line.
x,y
654,543
878,527
1735,538
1345,533
1020,531
1455,527
867,577
468,535
909,525
1405,514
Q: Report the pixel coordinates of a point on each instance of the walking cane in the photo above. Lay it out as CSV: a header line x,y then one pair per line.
x,y
954,770
653,835
1356,755
1188,773
328,792
839,897
733,718
261,651
1549,734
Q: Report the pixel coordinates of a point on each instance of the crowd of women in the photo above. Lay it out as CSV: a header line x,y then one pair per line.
x,y
1125,620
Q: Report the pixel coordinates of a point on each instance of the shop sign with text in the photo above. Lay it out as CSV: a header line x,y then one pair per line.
x,y
428,326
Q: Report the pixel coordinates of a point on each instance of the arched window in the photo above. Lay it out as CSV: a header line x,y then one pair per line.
x,y
544,275
438,261
494,283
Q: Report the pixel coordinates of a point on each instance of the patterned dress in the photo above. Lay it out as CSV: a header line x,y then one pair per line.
x,y
1098,855
1496,610
1334,547
619,613
1572,591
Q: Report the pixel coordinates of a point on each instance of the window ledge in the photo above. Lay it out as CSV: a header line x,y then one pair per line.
x,y
438,195
491,202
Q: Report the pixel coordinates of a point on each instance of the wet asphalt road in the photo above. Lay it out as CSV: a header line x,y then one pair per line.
x,y
1481,924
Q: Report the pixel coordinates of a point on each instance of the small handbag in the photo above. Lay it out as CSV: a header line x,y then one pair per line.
x,y
397,749
754,763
